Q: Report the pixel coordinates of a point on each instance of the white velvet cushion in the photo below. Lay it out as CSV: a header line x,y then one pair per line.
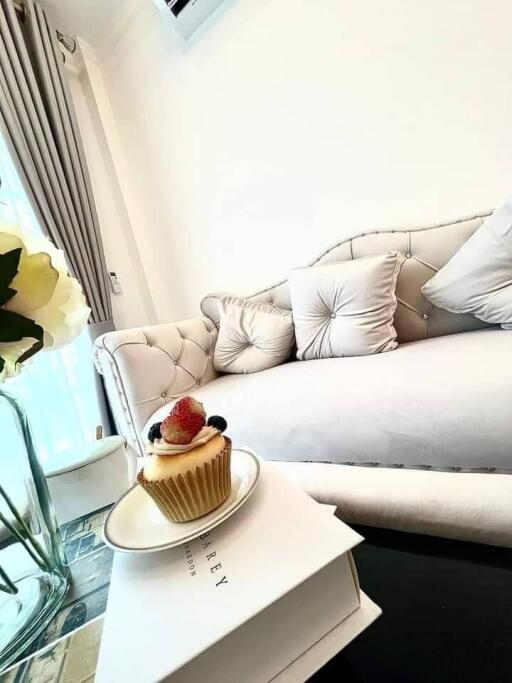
x,y
478,278
252,336
437,403
345,309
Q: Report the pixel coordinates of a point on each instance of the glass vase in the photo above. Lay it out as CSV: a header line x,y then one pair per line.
x,y
33,576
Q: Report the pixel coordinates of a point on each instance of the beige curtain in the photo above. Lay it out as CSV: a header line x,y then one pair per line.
x,y
38,121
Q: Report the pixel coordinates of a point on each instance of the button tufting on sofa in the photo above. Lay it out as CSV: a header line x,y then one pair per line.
x,y
146,368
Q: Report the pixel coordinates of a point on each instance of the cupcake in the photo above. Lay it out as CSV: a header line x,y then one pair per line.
x,y
187,467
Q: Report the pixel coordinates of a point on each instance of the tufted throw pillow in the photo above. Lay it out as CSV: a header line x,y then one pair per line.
x,y
478,278
345,309
252,336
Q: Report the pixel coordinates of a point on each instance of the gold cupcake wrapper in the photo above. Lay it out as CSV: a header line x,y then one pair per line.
x,y
198,492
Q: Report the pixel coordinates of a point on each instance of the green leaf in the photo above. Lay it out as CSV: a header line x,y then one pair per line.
x,y
6,295
9,263
15,327
32,350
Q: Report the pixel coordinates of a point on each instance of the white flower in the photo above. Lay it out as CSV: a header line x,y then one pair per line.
x,y
41,305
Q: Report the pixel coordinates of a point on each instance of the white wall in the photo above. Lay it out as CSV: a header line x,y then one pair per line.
x,y
133,306
286,125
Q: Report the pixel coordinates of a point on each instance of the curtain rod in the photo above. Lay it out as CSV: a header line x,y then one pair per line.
x,y
67,41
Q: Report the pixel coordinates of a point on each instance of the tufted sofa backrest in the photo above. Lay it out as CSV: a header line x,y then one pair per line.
x,y
426,250
147,367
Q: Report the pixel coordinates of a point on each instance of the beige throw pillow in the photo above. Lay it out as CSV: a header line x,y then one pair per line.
x,y
252,336
345,309
478,278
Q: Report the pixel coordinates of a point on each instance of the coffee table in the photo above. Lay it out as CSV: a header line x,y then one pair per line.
x,y
447,612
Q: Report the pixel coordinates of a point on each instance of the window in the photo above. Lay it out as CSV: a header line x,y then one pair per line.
x,y
58,389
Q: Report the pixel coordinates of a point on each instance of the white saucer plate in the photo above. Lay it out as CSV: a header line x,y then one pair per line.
x,y
136,525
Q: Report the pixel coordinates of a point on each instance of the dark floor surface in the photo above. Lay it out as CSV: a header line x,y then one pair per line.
x,y
447,613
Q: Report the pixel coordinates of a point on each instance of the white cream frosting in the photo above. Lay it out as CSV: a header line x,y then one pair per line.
x,y
159,467
162,447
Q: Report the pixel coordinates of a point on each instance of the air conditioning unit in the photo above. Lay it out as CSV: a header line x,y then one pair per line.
x,y
188,14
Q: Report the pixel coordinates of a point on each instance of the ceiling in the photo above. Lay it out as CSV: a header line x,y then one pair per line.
x,y
92,20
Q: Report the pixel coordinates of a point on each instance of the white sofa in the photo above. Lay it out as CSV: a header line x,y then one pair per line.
x,y
418,439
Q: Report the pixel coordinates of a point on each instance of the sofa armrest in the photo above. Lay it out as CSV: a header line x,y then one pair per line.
x,y
145,368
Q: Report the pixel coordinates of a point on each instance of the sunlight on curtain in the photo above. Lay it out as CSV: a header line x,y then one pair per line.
x,y
57,389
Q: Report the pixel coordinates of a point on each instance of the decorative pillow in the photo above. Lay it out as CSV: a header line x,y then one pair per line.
x,y
345,309
252,336
478,278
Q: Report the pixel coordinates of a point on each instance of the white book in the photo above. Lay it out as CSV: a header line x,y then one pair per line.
x,y
227,603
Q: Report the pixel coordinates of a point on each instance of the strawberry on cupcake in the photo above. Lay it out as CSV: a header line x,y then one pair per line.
x,y
185,421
